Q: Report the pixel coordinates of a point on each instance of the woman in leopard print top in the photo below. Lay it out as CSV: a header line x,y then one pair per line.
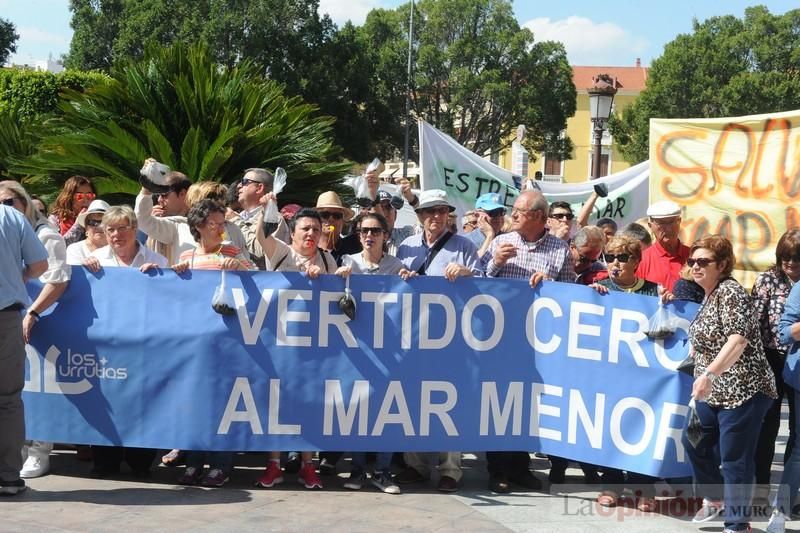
x,y
734,385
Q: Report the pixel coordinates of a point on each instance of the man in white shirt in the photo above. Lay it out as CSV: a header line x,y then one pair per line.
x,y
165,223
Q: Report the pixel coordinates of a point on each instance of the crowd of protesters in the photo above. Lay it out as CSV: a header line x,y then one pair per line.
x,y
744,344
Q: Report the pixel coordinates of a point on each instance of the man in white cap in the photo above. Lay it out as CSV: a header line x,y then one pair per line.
x,y
662,262
436,252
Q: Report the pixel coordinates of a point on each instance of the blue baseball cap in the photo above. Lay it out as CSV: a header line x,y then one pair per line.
x,y
489,202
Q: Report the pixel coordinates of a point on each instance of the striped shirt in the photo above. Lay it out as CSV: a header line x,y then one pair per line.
x,y
200,260
549,255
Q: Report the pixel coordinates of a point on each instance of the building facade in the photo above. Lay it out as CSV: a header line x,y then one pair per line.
x,y
631,81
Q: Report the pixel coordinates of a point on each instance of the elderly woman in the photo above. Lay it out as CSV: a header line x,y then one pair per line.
x,y
789,334
91,221
55,281
75,197
123,250
302,255
622,256
373,231
770,291
734,386
206,220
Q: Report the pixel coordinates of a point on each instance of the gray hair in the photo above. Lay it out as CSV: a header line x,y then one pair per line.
x,y
118,213
587,235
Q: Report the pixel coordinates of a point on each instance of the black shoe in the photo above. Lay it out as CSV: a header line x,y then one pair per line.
x,y
557,475
326,468
447,484
292,465
408,476
12,488
499,483
525,479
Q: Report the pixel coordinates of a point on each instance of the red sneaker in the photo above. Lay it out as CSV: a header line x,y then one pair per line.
x,y
308,477
272,476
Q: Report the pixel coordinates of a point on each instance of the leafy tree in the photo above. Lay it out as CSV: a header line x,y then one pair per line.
x,y
725,67
27,99
477,73
182,108
8,39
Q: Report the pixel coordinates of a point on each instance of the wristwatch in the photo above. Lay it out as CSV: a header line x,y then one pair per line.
x,y
712,377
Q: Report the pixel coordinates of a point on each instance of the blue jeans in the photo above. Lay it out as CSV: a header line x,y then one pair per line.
x,y
383,461
790,480
729,438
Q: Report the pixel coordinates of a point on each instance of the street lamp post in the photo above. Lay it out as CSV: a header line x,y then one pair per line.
x,y
601,96
408,86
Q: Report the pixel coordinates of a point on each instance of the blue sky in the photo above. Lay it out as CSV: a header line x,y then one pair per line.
x,y
615,36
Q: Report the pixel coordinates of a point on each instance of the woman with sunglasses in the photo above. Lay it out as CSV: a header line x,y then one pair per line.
x,y
734,386
74,198
36,454
91,221
372,230
622,256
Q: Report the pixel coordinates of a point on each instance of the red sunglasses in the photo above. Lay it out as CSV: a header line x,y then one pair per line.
x,y
80,196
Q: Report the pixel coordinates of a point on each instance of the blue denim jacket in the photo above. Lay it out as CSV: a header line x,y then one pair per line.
x,y
791,314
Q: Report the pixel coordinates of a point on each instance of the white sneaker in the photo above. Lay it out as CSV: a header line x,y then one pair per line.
x,y
709,511
35,466
777,522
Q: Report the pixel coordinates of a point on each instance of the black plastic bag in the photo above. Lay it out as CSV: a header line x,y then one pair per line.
x,y
347,304
694,428
662,324
222,301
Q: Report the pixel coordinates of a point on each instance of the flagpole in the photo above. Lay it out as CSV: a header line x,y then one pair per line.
x,y
408,87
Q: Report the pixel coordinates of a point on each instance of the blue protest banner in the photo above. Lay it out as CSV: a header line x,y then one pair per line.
x,y
474,365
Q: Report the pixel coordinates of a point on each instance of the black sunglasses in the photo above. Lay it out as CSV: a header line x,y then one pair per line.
x,y
562,216
247,181
702,262
93,222
373,231
8,201
622,258
396,202
331,214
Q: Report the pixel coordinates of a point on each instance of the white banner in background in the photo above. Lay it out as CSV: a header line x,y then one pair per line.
x,y
465,176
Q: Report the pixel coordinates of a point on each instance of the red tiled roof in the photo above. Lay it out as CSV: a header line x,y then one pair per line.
x,y
628,78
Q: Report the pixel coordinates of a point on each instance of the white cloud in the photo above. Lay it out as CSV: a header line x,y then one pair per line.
x,y
590,43
343,10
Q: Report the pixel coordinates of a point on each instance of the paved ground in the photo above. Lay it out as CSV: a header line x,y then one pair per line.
x,y
68,500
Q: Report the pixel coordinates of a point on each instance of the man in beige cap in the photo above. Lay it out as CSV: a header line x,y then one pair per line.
x,y
334,214
662,262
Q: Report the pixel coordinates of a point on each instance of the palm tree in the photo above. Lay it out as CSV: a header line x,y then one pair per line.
x,y
180,107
